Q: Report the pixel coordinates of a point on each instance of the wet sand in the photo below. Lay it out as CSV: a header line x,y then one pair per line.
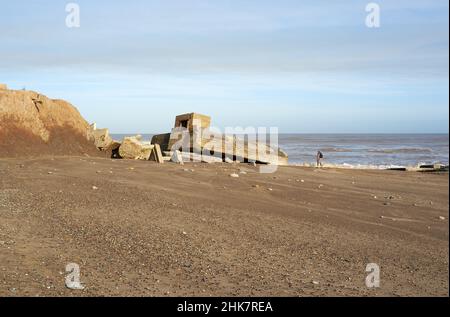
x,y
142,229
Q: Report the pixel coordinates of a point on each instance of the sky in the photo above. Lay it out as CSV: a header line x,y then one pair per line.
x,y
307,66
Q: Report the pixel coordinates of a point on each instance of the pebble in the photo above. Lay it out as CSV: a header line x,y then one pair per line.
x,y
315,282
94,187
269,189
234,175
441,218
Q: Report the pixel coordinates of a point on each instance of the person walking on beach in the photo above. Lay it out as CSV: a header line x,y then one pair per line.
x,y
319,158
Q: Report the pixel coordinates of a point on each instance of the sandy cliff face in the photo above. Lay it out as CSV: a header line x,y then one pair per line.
x,y
32,124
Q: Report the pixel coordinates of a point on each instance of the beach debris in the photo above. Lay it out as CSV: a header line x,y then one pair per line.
x,y
156,154
194,132
100,137
132,148
243,172
177,158
270,189
94,187
315,282
320,185
210,159
234,175
441,218
255,186
49,173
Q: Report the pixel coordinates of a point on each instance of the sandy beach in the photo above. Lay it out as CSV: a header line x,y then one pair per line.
x,y
140,228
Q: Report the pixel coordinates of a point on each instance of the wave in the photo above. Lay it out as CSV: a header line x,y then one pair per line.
x,y
362,166
401,151
335,149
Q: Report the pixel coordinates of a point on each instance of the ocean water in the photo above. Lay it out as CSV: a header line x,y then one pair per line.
x,y
362,150
370,150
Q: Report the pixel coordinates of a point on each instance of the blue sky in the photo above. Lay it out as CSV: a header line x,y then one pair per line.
x,y
302,66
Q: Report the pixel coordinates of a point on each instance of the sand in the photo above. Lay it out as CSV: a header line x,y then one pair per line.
x,y
141,229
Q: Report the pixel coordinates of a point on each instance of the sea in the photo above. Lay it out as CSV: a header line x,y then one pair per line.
x,y
371,151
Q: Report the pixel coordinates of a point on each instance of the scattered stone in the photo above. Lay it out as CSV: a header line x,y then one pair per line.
x,y
228,160
94,187
100,137
441,218
234,175
132,148
315,282
255,186
50,173
243,172
270,189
